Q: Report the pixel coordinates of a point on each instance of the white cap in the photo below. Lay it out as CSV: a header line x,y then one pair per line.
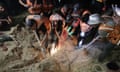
x,y
94,19
55,17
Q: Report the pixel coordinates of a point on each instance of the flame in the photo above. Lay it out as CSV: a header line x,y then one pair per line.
x,y
53,50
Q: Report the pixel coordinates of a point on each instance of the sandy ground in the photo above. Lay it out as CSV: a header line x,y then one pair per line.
x,y
20,56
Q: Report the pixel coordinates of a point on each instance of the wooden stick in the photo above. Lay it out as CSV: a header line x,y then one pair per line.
x,y
57,34
44,38
87,46
42,49
92,42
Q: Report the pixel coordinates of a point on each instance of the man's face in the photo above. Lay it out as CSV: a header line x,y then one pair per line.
x,y
85,27
1,9
56,22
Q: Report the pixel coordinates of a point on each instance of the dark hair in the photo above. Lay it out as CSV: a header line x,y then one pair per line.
x,y
85,18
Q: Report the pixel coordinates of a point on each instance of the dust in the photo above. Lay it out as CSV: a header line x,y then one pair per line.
x,y
24,55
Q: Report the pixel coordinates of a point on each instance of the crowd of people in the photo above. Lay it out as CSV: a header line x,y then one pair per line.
x,y
80,19
89,22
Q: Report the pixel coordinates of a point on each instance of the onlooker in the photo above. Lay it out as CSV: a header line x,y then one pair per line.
x,y
89,25
64,11
5,20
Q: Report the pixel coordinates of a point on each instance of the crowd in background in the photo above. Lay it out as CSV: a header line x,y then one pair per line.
x,y
14,7
81,18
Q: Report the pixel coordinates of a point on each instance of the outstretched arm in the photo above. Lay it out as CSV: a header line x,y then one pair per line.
x,y
23,4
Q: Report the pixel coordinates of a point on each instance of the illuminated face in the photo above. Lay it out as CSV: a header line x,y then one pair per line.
x,y
85,27
1,9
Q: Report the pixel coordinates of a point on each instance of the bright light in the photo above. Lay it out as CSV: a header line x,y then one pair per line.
x,y
53,49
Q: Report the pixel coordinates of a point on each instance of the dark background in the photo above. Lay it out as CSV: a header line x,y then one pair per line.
x,y
13,6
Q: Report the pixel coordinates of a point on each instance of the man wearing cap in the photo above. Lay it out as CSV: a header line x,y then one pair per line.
x,y
94,36
88,27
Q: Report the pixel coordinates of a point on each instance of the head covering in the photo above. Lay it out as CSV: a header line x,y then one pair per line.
x,y
94,19
55,17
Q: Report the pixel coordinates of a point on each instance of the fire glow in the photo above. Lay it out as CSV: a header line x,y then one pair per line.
x,y
53,50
